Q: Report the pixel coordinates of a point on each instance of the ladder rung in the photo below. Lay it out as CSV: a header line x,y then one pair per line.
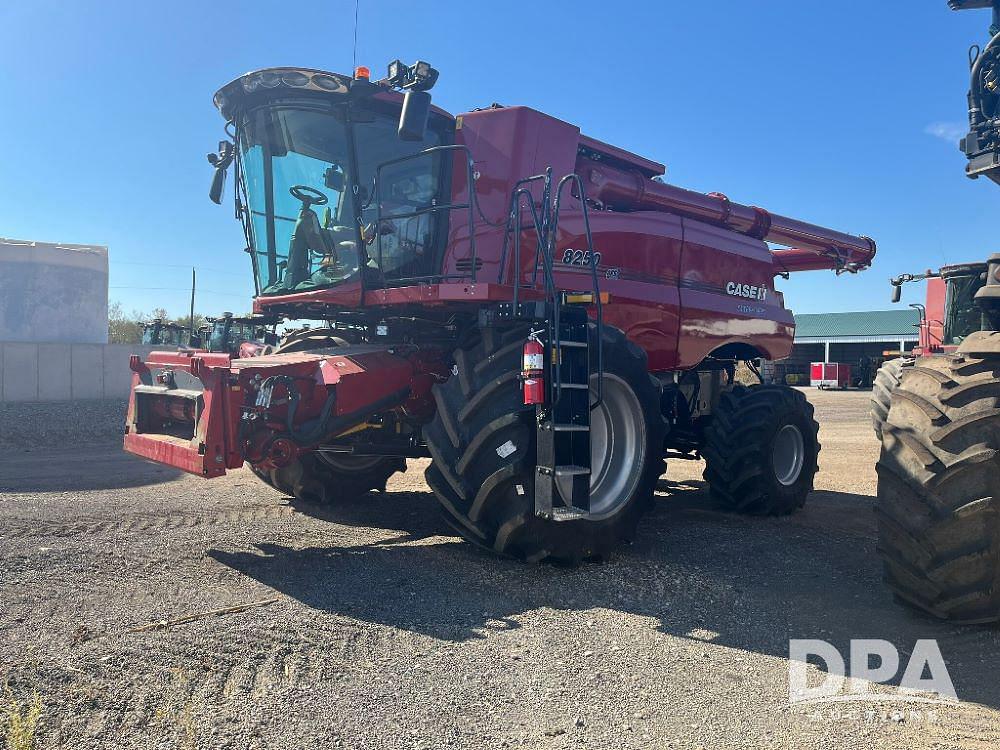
x,y
571,471
568,514
575,344
571,428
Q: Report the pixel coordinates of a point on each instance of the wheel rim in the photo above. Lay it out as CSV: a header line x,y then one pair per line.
x,y
617,448
347,463
788,454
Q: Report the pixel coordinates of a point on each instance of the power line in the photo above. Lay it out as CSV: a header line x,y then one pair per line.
x,y
178,289
172,265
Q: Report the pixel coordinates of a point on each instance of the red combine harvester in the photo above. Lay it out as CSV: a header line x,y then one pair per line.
x,y
531,308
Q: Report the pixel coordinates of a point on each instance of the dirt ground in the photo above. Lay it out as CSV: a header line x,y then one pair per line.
x,y
370,625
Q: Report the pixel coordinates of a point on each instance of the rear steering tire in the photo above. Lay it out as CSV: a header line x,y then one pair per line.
x,y
761,450
482,441
324,479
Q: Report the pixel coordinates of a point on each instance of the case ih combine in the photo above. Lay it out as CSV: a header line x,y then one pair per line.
x,y
938,413
533,309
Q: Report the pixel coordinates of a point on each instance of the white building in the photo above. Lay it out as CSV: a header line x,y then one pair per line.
x,y
52,292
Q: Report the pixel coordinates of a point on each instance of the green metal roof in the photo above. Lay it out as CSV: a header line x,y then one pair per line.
x,y
887,323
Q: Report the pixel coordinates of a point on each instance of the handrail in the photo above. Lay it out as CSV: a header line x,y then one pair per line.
x,y
469,204
578,181
514,225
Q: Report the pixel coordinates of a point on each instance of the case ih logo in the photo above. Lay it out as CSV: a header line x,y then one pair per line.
x,y
746,290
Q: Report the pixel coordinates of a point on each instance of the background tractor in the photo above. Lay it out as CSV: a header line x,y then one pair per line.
x,y
244,336
159,332
938,413
533,309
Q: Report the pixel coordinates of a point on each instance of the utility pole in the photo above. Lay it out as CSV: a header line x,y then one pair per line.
x,y
191,322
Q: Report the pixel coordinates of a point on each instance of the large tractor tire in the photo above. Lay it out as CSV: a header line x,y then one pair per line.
x,y
761,450
938,503
886,381
482,441
326,478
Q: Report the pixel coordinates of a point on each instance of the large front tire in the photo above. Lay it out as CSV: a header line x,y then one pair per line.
x,y
761,450
482,441
938,502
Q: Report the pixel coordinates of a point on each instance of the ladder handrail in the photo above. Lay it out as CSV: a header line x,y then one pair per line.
x,y
541,227
557,206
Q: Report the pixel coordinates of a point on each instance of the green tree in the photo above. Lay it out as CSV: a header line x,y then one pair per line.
x,y
124,328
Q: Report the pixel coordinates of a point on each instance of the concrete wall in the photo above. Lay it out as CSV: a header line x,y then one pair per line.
x,y
53,293
64,372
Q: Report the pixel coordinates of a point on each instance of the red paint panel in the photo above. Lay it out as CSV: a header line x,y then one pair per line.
x,y
932,332
643,253
172,452
711,314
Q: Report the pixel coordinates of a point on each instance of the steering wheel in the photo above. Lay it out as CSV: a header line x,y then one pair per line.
x,y
309,196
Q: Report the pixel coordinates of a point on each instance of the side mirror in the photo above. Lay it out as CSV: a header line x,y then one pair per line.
x,y
221,162
897,292
413,116
333,178
218,185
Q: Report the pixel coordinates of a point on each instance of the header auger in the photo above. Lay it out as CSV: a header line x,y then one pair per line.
x,y
531,308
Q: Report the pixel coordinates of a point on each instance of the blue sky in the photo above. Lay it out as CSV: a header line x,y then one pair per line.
x,y
840,113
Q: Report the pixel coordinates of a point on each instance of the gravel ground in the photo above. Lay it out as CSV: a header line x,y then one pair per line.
x,y
372,626
51,424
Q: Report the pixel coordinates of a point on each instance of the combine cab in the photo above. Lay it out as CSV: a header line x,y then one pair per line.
x,y
159,332
242,337
531,308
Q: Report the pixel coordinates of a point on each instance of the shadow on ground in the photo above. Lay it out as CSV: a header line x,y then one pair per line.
x,y
743,583
101,467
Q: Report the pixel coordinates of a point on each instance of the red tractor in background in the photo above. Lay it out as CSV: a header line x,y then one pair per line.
x,y
938,412
531,308
948,315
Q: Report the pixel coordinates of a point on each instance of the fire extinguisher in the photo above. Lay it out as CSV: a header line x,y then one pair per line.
x,y
533,369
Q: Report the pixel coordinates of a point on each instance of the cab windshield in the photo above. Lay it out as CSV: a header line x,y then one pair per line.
x,y
218,338
308,173
228,336
156,335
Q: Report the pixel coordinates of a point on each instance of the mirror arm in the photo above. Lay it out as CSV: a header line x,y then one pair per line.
x,y
221,161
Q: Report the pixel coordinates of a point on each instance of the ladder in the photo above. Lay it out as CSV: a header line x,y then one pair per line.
x,y
563,439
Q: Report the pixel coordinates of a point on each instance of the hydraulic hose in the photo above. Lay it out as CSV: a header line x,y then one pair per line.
x,y
326,424
976,105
